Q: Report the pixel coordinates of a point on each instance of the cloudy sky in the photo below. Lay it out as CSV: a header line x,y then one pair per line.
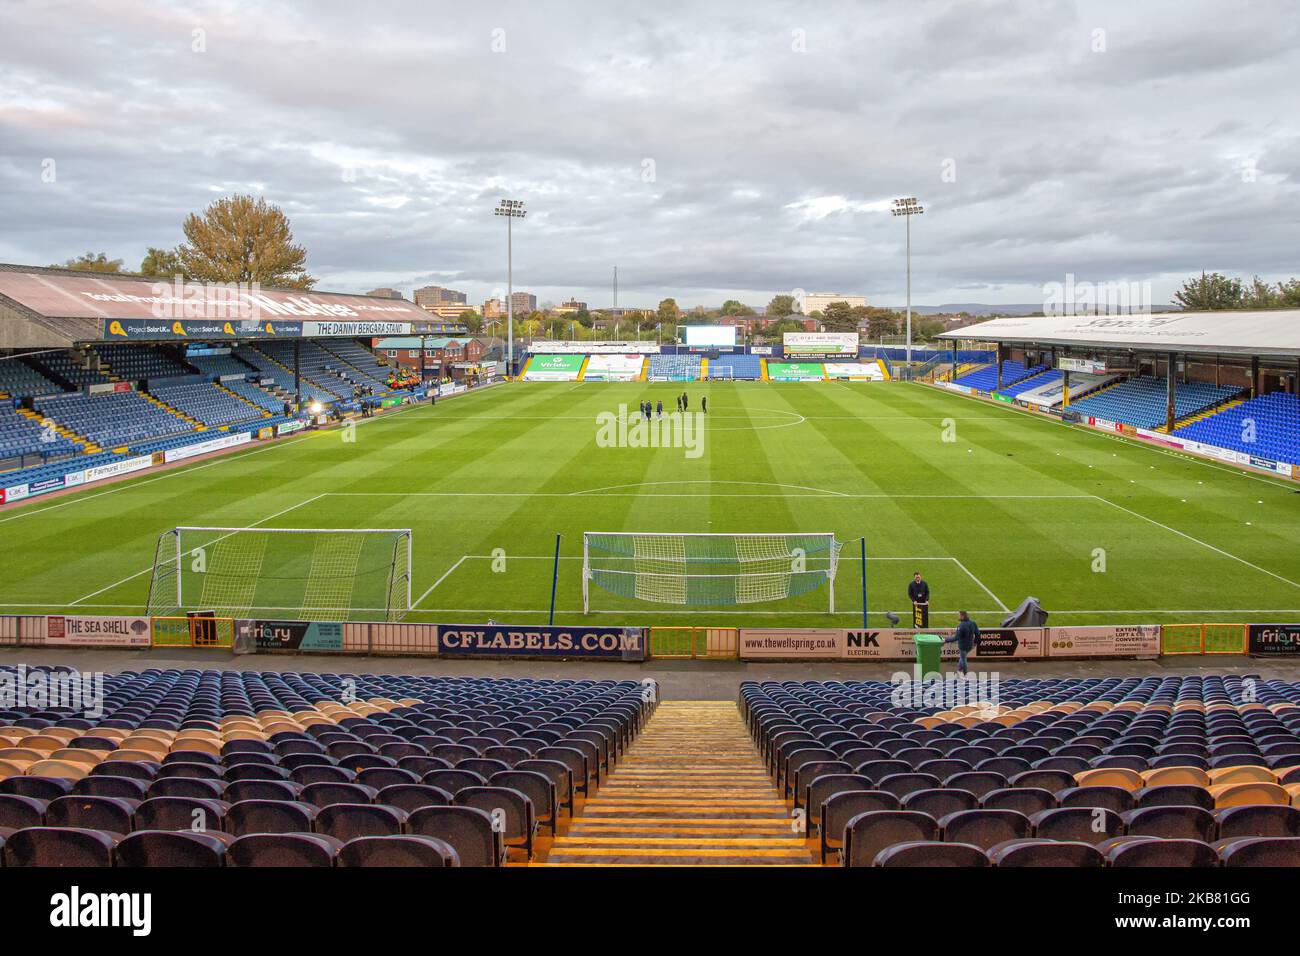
x,y
708,149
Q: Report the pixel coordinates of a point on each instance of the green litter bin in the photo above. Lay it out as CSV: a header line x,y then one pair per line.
x,y
929,647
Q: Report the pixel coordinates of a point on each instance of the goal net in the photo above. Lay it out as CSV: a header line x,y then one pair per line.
x,y
299,573
726,373
708,569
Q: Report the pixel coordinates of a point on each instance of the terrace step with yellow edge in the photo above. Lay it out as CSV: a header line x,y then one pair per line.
x,y
527,362
691,791
582,372
270,358
88,446
1205,413
197,425
645,369
884,369
704,370
259,408
762,366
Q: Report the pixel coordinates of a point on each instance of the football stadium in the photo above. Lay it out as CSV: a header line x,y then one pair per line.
x,y
219,495
349,532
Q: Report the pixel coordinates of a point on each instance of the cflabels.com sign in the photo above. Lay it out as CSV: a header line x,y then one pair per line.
x,y
498,640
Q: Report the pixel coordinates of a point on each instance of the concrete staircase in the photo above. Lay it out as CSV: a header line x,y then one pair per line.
x,y
691,791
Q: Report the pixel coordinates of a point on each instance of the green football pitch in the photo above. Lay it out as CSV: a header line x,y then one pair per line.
x,y
990,504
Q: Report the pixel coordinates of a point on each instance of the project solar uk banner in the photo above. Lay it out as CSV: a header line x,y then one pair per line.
x,y
499,640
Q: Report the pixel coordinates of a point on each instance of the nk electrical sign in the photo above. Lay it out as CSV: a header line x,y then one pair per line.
x,y
493,640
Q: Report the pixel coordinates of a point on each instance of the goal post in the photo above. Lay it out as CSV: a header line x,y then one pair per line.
x,y
702,570
300,573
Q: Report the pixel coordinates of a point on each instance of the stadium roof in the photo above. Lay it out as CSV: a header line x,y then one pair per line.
x,y
1274,332
57,308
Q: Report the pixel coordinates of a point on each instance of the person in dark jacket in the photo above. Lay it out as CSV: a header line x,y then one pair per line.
x,y
918,592
967,636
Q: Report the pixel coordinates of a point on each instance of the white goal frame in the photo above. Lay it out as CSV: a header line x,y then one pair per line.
x,y
178,552
832,550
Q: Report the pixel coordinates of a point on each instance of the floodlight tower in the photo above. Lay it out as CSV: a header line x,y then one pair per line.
x,y
512,209
907,208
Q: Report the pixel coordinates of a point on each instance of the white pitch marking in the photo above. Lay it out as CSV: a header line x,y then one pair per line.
x,y
446,574
1204,544
981,584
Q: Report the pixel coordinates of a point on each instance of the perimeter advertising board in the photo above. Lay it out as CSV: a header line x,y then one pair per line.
x,y
798,345
553,368
801,643
898,645
96,631
1134,640
1274,640
885,644
587,643
292,635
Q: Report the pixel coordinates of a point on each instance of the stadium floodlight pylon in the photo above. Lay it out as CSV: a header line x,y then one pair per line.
x,y
708,569
304,573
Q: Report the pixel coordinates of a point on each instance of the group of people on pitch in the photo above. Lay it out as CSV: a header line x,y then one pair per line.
x,y
656,410
968,632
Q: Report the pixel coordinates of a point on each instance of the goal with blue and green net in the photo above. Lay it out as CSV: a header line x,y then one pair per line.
x,y
704,570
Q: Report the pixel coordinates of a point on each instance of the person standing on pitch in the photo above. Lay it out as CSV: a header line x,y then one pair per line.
x,y
704,404
918,592
686,401
967,636
659,408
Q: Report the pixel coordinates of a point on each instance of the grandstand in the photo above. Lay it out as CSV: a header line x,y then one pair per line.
x,y
23,435
208,404
737,367
1196,771
1141,401
422,771
110,419
985,379
20,380
674,368
134,363
1267,427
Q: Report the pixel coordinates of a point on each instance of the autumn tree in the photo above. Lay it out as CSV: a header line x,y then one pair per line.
x,y
781,305
243,239
91,262
161,263
1210,292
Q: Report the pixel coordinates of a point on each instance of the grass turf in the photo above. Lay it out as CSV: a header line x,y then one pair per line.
x,y
1100,529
